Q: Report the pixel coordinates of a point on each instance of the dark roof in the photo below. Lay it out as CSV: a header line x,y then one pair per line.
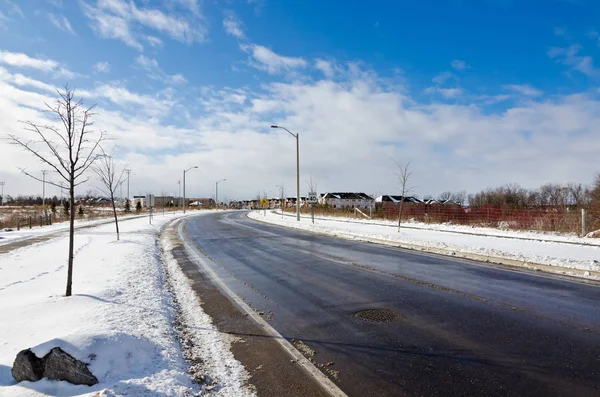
x,y
399,198
348,196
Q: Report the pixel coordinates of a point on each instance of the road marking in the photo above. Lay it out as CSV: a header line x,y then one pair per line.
x,y
319,377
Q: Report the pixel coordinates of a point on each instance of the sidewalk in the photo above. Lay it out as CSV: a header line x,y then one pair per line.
x,y
558,254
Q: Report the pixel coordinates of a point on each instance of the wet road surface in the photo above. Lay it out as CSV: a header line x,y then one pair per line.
x,y
433,326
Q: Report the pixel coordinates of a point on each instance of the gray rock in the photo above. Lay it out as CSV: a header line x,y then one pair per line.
x,y
27,366
60,365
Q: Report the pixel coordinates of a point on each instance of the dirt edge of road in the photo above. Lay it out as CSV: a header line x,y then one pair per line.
x,y
273,371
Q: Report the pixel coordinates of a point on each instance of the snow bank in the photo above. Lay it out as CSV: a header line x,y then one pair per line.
x,y
119,319
558,251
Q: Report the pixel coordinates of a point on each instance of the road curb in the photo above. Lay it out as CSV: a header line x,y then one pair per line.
x,y
327,384
584,275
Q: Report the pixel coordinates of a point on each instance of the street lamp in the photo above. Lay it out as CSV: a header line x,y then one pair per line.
x,y
128,171
297,136
217,192
2,184
184,171
44,172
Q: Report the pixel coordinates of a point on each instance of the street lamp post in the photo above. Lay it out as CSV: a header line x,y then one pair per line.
x,y
128,171
2,184
184,171
179,192
44,172
297,136
217,192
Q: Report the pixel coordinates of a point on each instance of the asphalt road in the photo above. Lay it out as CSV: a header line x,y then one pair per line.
x,y
454,327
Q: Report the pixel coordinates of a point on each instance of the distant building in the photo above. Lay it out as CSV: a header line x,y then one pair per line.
x,y
388,198
346,200
202,202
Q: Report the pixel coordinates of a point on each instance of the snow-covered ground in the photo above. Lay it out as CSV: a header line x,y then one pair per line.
x,y
564,252
119,319
9,235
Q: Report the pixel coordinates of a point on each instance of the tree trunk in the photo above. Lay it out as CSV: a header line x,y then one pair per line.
x,y
71,238
112,199
400,214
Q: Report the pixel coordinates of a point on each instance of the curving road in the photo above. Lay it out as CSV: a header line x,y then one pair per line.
x,y
450,327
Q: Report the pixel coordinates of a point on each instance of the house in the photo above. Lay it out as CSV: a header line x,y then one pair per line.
x,y
201,202
346,200
388,198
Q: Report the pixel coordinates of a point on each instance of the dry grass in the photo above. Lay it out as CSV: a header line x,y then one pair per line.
x,y
38,216
547,219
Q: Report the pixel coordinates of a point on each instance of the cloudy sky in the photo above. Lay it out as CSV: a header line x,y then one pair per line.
x,y
473,93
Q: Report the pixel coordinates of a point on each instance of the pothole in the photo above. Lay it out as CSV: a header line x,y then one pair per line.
x,y
377,316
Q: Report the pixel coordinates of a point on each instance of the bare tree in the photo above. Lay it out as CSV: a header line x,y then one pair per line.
x,y
282,195
404,178
111,179
312,187
444,196
69,149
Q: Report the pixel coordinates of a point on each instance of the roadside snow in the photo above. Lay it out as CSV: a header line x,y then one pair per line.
x,y
119,319
552,253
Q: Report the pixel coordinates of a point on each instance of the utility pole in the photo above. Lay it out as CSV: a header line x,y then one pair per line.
x,y
2,184
184,171
179,192
297,136
61,193
128,171
44,172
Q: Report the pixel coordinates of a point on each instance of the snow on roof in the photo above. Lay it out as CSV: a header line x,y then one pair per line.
x,y
348,196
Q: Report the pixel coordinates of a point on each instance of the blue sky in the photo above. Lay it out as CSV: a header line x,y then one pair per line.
x,y
473,93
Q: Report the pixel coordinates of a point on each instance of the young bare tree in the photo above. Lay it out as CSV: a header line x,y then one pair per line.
x,y
282,194
404,178
312,187
111,178
68,146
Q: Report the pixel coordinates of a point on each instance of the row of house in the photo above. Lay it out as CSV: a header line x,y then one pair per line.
x,y
339,200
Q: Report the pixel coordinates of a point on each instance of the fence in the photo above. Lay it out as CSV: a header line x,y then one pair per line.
x,y
566,220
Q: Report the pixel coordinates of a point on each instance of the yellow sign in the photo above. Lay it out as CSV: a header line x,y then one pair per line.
x,y
264,202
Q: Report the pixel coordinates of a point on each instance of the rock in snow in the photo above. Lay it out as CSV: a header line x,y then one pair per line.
x,y
27,366
60,365
56,365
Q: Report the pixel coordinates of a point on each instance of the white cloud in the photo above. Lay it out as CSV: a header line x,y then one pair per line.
x,y
147,63
154,41
155,72
441,78
325,67
459,65
445,92
569,57
61,22
267,60
56,3
21,60
233,26
13,8
118,19
524,89
102,67
177,78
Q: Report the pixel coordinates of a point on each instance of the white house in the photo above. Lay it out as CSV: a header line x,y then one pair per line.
x,y
346,200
